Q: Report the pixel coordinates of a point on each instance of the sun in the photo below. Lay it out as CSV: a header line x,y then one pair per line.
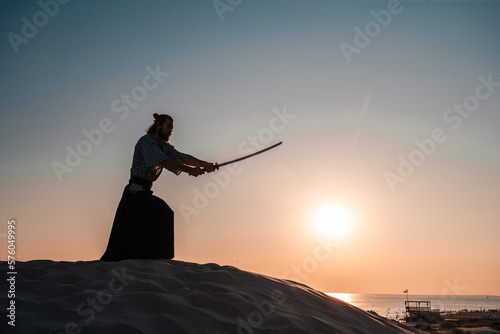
x,y
332,221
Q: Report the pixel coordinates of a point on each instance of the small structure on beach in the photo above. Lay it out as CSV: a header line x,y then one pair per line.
x,y
472,316
417,310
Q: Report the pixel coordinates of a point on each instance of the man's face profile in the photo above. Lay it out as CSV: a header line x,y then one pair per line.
x,y
165,131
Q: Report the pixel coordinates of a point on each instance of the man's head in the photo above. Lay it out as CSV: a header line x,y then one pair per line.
x,y
163,126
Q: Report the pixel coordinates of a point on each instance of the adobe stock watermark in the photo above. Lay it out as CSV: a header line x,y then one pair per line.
x,y
254,320
96,302
120,106
454,287
373,28
222,6
222,178
30,28
454,116
264,309
323,250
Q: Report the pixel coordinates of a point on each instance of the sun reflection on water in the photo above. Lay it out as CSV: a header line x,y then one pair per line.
x,y
346,297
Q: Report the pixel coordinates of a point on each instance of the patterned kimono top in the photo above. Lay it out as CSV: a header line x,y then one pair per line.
x,y
148,157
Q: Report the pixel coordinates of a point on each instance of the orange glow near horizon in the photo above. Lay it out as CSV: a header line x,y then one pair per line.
x,y
362,197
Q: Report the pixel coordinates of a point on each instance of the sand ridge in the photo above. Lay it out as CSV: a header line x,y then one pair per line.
x,y
156,296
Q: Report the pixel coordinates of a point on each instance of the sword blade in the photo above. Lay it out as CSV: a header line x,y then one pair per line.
x,y
250,155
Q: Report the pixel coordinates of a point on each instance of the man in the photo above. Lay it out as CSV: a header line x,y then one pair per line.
x,y
144,224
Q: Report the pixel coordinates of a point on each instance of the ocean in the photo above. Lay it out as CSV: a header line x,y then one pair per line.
x,y
393,306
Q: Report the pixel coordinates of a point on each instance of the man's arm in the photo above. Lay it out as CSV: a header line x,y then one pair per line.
x,y
172,164
208,166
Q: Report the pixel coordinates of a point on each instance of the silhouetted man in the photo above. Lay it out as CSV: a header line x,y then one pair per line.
x,y
143,227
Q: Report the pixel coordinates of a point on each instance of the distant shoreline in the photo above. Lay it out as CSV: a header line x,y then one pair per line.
x,y
398,294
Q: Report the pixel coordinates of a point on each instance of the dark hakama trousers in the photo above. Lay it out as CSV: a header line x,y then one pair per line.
x,y
143,228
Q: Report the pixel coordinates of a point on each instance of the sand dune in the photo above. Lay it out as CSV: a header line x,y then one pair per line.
x,y
146,296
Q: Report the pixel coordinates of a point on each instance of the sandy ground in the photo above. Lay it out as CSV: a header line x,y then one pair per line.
x,y
147,296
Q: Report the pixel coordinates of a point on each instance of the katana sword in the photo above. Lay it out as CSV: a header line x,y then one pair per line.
x,y
250,155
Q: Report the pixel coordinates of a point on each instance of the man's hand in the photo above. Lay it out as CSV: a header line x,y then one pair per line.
x,y
210,167
196,171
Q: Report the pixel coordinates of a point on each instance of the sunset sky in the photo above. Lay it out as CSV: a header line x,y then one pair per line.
x,y
388,112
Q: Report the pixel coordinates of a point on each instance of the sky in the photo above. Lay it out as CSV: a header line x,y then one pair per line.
x,y
388,112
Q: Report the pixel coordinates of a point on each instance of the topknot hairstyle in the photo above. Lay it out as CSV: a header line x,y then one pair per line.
x,y
159,120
